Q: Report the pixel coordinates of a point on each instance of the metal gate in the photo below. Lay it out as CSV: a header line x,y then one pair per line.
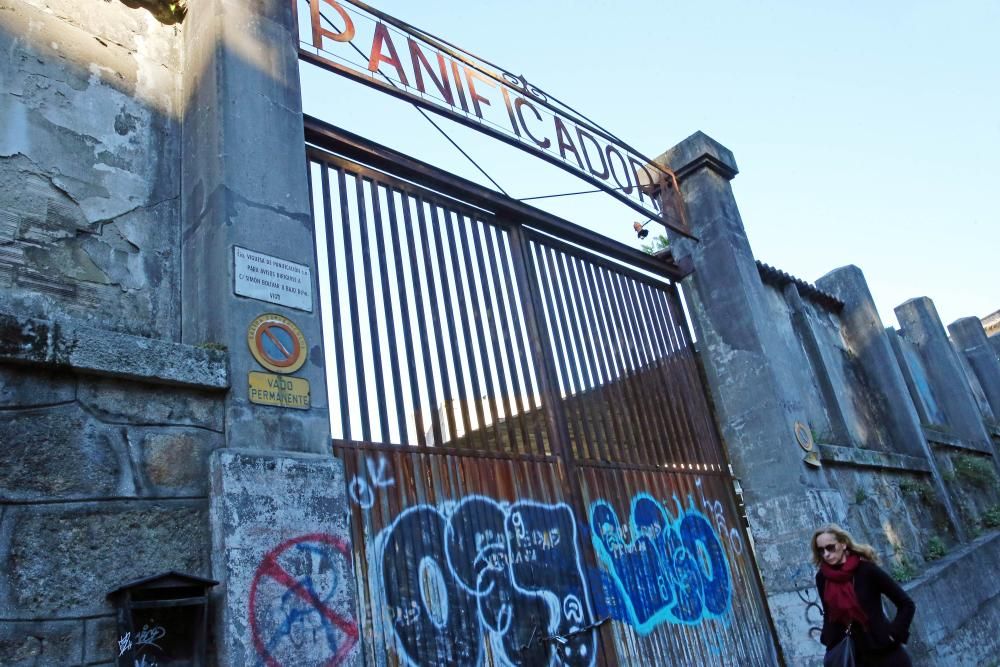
x,y
534,472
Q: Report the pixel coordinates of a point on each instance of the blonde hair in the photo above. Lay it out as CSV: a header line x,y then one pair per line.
x,y
866,551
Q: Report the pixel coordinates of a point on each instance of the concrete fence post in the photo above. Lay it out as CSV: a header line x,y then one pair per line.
x,y
867,336
970,337
921,325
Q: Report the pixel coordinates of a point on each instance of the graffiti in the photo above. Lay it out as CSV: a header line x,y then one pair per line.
x,y
142,661
666,570
480,576
814,612
363,491
145,637
809,595
298,613
716,509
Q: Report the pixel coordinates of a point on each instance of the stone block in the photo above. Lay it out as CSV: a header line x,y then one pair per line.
x,y
143,404
60,452
281,548
35,643
100,640
175,462
69,344
63,559
22,387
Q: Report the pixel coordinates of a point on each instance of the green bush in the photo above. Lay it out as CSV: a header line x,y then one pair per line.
x,y
903,571
918,488
991,517
935,548
974,470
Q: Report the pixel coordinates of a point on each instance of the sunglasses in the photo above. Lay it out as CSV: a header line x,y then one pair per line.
x,y
829,548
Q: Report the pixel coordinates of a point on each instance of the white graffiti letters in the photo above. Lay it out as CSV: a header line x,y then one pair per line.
x,y
363,490
481,576
148,636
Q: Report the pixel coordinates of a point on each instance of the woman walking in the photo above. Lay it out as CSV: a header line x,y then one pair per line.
x,y
851,586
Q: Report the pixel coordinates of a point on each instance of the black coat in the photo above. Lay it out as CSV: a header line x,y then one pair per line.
x,y
870,583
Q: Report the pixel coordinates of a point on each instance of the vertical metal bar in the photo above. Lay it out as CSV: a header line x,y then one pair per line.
x,y
490,321
352,295
559,345
646,378
614,373
595,336
524,272
665,385
507,332
593,415
425,230
627,360
476,328
331,260
516,304
665,406
390,324
425,352
464,314
404,309
366,261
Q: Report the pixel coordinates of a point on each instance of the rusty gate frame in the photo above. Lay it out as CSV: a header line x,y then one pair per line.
x,y
526,225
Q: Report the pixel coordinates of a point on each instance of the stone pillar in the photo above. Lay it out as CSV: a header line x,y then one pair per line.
x,y
755,403
245,185
726,296
867,336
835,401
278,516
970,337
921,325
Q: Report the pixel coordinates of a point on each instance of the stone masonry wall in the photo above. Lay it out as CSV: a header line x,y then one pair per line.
x,y
103,480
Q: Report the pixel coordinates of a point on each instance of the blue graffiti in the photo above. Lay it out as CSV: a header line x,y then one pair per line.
x,y
665,569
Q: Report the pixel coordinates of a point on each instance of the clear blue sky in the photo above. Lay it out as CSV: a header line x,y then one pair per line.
x,y
866,133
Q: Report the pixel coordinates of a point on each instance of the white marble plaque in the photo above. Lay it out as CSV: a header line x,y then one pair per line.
x,y
272,279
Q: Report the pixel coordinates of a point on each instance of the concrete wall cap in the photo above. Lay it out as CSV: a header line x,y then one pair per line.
x,y
697,151
65,343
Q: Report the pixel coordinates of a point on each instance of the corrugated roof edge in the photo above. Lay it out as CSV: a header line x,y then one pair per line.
x,y
778,278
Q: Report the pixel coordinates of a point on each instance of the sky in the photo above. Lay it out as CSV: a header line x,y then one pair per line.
x,y
865,133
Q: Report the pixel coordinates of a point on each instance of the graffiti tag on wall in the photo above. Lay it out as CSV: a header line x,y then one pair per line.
x,y
478,576
667,569
295,615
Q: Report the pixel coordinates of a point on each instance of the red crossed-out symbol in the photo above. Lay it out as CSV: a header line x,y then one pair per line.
x,y
271,569
278,343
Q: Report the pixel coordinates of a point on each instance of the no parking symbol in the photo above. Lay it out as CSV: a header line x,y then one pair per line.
x,y
300,613
276,343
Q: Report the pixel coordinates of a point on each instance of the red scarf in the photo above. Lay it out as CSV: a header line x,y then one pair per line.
x,y
838,593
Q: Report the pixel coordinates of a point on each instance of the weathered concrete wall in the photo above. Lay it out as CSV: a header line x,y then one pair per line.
x,y
279,526
89,165
103,474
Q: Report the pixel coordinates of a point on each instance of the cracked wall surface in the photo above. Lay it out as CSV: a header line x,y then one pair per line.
x,y
89,165
102,480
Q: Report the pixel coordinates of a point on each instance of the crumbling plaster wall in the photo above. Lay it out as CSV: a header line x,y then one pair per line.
x,y
89,164
103,468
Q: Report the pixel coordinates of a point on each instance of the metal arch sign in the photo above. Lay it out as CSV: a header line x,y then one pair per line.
x,y
355,40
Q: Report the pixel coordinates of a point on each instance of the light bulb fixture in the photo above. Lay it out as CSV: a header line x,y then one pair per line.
x,y
640,229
